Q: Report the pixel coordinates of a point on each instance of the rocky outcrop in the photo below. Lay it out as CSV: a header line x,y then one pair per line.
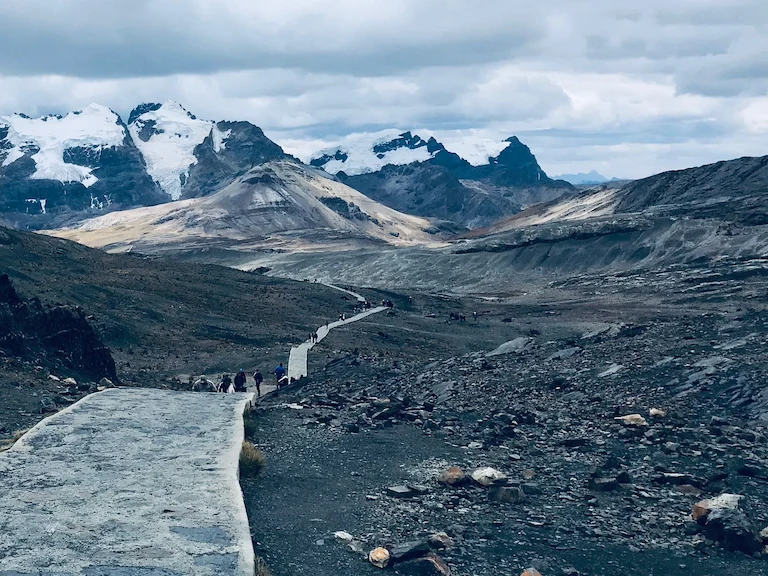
x,y
217,165
56,334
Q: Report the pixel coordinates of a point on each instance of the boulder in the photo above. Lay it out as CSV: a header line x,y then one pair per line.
x,y
704,507
379,557
441,541
429,565
506,494
408,550
603,484
453,476
530,572
487,476
733,529
343,536
401,492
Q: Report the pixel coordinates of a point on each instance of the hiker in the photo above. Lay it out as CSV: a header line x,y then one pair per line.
x,y
258,379
279,374
225,384
240,380
202,384
314,337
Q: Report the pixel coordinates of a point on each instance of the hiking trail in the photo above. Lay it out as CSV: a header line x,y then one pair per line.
x,y
133,481
297,359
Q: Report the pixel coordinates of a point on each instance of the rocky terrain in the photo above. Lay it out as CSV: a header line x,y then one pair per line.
x,y
161,320
584,443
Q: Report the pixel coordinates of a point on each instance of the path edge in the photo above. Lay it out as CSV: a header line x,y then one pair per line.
x,y
247,556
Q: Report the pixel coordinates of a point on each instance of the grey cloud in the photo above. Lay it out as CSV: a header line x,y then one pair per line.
x,y
119,39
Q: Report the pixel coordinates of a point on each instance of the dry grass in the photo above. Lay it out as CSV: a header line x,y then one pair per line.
x,y
8,442
251,460
249,423
261,568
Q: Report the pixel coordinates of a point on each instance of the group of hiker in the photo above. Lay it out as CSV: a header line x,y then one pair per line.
x,y
228,385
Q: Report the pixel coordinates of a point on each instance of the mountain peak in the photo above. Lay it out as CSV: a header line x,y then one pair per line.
x,y
369,152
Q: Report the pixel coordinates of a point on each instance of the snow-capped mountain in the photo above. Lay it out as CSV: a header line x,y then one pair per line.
x,y
417,176
56,169
364,153
61,164
190,157
167,135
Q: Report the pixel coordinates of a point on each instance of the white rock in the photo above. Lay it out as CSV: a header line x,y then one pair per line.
x,y
70,381
729,501
487,476
518,345
657,413
343,536
54,378
612,369
632,420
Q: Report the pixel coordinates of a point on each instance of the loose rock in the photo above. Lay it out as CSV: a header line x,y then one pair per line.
x,y
379,557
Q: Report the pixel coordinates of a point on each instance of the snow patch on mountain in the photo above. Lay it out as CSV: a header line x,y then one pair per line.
x,y
167,137
220,138
369,152
46,140
476,151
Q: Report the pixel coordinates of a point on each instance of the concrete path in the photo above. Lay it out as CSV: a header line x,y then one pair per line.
x,y
355,294
297,359
128,482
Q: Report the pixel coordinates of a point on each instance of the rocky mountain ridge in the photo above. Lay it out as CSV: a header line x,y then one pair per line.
x,y
422,177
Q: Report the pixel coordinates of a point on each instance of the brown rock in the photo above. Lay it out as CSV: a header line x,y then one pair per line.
x,y
531,572
379,557
453,476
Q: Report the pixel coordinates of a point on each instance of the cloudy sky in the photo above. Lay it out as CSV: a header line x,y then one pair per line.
x,y
624,87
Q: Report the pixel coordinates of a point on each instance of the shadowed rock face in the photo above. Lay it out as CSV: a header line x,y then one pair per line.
x,y
246,146
31,329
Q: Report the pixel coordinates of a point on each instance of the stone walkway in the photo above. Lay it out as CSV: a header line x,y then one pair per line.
x,y
128,482
297,360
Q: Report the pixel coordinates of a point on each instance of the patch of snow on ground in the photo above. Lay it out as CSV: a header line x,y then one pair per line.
x,y
169,152
95,127
361,158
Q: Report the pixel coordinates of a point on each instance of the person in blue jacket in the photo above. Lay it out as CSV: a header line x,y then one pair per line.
x,y
279,374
